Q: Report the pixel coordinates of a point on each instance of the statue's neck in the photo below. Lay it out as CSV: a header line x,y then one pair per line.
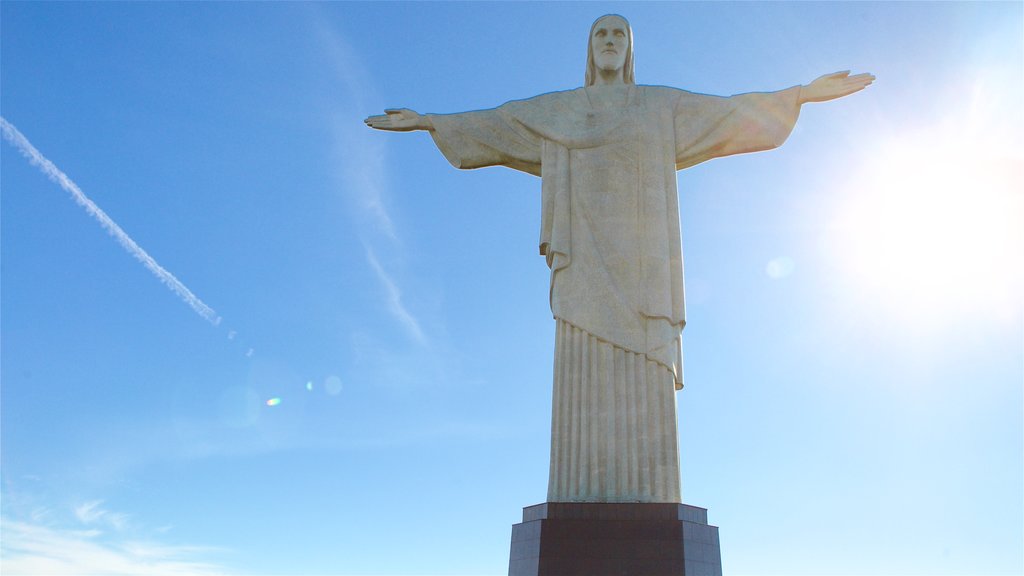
x,y
609,78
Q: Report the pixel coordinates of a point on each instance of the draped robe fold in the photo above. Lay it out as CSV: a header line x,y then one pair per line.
x,y
610,235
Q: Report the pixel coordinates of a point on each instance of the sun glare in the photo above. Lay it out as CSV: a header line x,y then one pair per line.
x,y
936,226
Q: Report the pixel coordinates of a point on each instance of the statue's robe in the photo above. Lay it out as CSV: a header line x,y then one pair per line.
x,y
610,233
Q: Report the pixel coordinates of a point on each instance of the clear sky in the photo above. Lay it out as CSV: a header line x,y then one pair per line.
x,y
375,397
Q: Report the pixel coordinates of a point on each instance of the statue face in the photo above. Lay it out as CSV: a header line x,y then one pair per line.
x,y
609,42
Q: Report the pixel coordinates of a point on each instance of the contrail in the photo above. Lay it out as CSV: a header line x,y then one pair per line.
x,y
12,135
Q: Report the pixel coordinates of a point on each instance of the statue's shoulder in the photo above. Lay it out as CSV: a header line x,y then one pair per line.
x,y
683,100
661,96
553,96
658,89
572,94
547,100
652,95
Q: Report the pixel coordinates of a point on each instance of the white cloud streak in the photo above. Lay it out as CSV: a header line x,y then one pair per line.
x,y
361,156
92,513
395,305
362,159
29,549
89,512
16,138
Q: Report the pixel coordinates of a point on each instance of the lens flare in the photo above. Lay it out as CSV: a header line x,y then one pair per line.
x,y
273,402
333,385
780,267
240,407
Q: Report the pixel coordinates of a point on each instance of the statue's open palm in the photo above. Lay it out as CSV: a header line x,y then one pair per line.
x,y
398,120
834,85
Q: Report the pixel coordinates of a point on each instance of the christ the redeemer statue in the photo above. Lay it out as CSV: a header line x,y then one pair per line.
x,y
607,155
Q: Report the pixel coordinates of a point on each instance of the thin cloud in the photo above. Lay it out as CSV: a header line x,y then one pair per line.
x,y
16,138
29,548
89,512
364,172
395,305
93,513
361,157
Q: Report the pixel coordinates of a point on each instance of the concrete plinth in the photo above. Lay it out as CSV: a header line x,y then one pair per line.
x,y
596,539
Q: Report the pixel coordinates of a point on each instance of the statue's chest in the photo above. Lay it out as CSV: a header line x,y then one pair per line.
x,y
611,126
602,119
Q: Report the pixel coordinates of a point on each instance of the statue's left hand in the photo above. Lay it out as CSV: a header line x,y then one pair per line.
x,y
835,85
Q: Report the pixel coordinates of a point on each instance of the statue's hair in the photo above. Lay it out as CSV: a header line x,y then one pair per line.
x,y
627,67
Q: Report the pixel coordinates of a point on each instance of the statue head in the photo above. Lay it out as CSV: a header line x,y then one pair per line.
x,y
610,49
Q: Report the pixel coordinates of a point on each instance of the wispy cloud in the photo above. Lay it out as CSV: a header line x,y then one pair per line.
x,y
360,156
395,306
16,138
93,513
363,174
33,547
362,159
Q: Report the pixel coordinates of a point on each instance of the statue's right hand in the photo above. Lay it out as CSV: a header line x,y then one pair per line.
x,y
399,120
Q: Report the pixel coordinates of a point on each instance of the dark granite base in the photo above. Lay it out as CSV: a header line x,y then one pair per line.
x,y
592,539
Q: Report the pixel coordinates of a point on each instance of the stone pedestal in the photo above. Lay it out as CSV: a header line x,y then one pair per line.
x,y
594,539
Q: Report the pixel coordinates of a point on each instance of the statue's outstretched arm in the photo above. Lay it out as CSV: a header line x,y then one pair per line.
x,y
400,120
835,85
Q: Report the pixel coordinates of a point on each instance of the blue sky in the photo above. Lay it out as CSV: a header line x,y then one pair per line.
x,y
375,396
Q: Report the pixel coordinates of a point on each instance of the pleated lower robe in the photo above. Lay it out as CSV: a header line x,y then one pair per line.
x,y
613,424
